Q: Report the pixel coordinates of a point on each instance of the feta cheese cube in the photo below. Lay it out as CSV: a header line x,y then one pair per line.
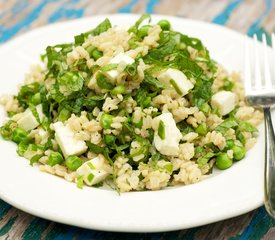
x,y
224,102
28,121
112,74
170,144
121,58
176,79
92,171
65,139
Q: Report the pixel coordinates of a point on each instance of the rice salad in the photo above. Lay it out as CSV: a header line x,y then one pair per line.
x,y
135,108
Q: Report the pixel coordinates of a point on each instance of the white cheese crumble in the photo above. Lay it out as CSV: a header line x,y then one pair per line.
x,y
119,59
28,121
170,144
92,171
66,140
224,102
176,79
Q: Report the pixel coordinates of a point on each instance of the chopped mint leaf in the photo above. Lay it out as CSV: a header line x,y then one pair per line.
x,y
161,130
225,125
205,159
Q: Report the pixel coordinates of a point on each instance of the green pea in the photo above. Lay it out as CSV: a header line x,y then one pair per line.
x,y
119,89
22,148
106,120
36,99
164,24
73,162
109,139
228,85
238,152
19,135
223,161
229,144
143,31
6,130
201,129
96,54
55,158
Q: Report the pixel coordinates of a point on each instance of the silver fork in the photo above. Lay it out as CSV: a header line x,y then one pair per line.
x,y
261,92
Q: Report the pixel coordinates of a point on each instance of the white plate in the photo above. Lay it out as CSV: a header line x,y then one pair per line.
x,y
223,195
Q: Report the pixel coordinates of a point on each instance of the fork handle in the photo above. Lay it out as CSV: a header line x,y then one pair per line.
x,y
269,181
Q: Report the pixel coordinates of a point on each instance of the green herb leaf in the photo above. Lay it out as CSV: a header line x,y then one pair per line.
x,y
134,28
161,130
247,127
184,127
226,124
148,79
142,149
72,82
202,92
201,129
79,182
22,148
131,69
169,168
155,157
35,158
90,177
106,153
175,86
35,112
95,148
27,91
79,39
122,147
6,130
103,83
205,159
102,27
240,137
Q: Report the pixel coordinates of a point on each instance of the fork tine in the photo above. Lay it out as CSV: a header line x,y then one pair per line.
x,y
258,78
267,76
273,55
273,40
247,70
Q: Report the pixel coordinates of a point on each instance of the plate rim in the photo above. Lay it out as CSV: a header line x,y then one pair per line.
x,y
36,212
